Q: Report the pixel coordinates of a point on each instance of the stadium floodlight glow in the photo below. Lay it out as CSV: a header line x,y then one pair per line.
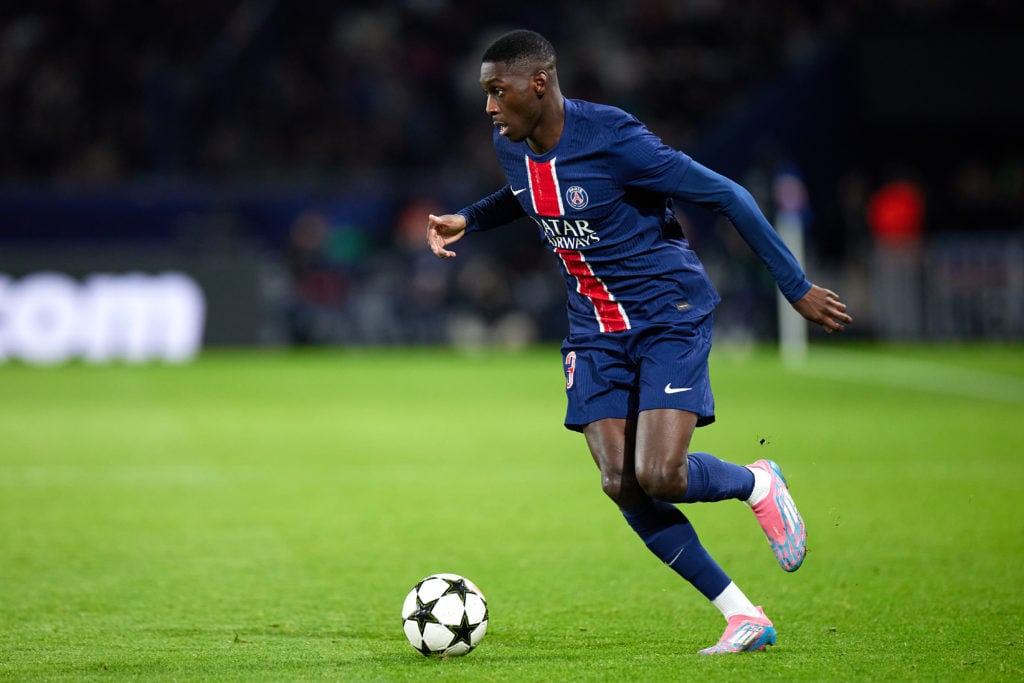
x,y
48,318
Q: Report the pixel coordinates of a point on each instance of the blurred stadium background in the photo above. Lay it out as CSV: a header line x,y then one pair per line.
x,y
177,175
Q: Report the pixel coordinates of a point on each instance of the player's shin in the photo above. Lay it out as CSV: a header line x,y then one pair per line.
x,y
710,479
669,535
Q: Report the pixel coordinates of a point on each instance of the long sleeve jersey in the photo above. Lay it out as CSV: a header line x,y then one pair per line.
x,y
601,199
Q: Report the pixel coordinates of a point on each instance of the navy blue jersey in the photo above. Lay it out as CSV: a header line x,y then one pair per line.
x,y
601,199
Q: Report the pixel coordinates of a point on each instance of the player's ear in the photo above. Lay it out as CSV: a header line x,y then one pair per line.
x,y
540,83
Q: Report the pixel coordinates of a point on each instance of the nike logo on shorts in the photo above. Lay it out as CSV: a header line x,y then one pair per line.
x,y
669,389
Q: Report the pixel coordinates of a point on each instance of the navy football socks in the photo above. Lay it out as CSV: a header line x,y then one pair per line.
x,y
710,479
669,535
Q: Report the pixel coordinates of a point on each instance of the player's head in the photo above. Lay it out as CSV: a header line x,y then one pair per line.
x,y
518,74
521,50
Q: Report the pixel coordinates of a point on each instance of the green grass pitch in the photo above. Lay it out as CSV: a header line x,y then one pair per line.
x,y
260,516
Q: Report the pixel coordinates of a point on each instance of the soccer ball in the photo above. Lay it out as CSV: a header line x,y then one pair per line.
x,y
444,615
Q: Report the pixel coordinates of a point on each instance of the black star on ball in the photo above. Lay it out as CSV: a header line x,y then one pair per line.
x,y
462,632
457,587
424,613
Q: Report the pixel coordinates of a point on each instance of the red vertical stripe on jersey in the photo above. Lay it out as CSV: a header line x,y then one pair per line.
x,y
611,317
547,200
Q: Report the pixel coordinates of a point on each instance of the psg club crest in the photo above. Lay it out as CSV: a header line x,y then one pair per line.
x,y
577,197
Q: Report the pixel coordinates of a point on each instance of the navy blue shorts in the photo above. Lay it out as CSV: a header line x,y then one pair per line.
x,y
622,373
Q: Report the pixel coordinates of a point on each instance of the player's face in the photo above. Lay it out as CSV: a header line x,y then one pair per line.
x,y
512,99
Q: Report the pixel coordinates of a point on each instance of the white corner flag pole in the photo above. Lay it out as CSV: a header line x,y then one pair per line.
x,y
792,326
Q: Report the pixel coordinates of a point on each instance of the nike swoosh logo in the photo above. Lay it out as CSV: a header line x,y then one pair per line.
x,y
669,389
516,193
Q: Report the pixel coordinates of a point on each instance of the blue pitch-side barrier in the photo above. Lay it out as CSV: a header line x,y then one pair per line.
x,y
233,246
172,213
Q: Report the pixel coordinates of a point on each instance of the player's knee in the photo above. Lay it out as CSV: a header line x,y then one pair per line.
x,y
612,485
621,487
664,480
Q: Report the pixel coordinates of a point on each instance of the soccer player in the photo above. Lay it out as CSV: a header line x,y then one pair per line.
x,y
599,186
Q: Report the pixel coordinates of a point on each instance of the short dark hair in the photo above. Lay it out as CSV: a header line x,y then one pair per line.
x,y
519,48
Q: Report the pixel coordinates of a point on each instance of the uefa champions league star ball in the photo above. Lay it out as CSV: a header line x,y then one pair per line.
x,y
444,615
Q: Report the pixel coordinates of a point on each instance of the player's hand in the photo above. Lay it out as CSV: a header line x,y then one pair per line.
x,y
822,306
444,230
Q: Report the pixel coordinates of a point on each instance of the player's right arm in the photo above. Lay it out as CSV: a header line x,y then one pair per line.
x,y
492,211
444,230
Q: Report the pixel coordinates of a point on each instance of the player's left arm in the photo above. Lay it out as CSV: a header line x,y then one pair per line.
x,y
823,306
702,186
641,159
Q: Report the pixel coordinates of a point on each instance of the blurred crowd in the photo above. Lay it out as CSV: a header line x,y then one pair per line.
x,y
381,97
101,90
107,90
